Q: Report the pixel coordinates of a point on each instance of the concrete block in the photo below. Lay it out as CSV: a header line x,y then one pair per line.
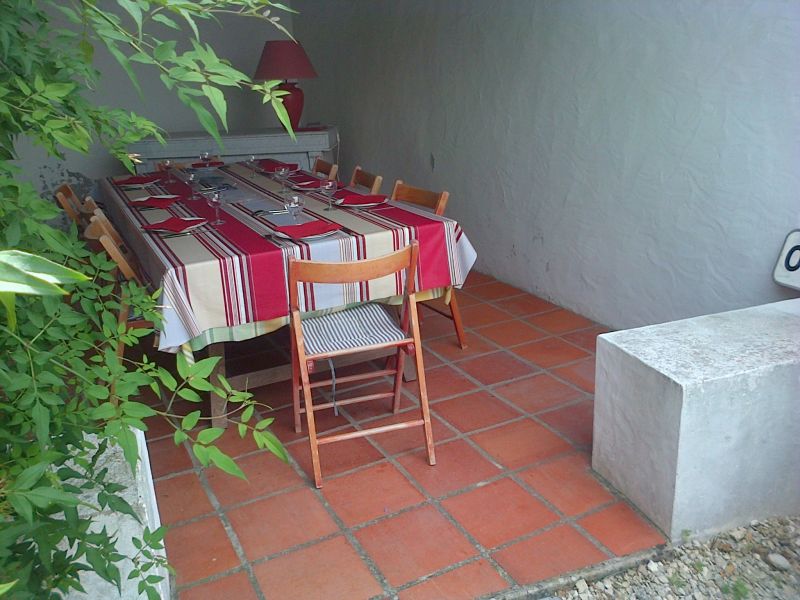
x,y
697,421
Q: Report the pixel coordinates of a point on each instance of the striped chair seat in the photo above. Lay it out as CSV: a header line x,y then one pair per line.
x,y
363,325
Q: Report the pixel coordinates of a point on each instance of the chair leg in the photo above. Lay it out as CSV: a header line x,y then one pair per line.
x,y
298,424
398,379
423,388
462,337
312,428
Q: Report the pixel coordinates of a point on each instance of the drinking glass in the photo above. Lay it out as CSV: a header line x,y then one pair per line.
x,y
253,165
328,188
194,186
205,156
214,200
281,173
294,205
167,164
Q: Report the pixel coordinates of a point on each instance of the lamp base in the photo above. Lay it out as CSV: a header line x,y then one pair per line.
x,y
292,102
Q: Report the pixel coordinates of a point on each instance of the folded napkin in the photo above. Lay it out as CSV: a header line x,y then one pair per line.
x,y
176,224
139,179
311,184
210,163
358,199
270,165
304,230
155,202
342,194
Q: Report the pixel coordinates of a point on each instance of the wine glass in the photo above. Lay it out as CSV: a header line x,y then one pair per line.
x,y
253,165
194,185
214,200
167,166
328,188
281,173
294,205
205,156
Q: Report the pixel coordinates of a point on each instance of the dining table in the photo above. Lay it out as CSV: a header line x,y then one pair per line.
x,y
227,281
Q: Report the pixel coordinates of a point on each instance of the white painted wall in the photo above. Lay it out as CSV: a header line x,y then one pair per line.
x,y
239,40
633,160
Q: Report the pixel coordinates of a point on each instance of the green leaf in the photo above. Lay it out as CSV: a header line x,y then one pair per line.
x,y
209,435
134,10
206,120
190,395
217,99
165,20
137,410
6,587
103,412
182,364
121,505
44,496
129,446
225,462
203,368
21,505
30,476
164,51
272,443
283,116
190,421
7,299
41,420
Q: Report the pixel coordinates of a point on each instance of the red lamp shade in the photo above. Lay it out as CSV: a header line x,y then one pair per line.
x,y
286,59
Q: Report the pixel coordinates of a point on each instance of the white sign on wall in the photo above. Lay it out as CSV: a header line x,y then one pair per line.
x,y
787,271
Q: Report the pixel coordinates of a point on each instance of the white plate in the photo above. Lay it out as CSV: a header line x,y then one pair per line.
x,y
308,237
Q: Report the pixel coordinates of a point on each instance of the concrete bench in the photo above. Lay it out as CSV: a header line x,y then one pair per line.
x,y
698,421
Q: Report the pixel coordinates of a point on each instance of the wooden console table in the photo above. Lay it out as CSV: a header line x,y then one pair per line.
x,y
237,146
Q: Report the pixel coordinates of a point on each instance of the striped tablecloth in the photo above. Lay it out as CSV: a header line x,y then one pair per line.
x,y
229,282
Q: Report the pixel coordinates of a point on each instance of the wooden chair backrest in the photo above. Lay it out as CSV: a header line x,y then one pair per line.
x,y
106,226
68,207
309,271
422,197
323,167
368,180
125,266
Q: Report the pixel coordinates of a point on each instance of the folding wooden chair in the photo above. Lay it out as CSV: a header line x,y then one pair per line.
x,y
436,201
368,180
363,328
323,167
69,202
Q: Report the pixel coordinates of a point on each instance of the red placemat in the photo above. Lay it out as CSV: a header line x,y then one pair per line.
x,y
304,230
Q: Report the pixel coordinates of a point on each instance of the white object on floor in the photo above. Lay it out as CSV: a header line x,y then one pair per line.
x,y
697,421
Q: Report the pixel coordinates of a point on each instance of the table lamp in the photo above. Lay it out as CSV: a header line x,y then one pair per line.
x,y
286,59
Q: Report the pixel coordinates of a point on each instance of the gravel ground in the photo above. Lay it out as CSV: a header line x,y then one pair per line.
x,y
759,561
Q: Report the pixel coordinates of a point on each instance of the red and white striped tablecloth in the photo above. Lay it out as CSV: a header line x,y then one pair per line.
x,y
235,274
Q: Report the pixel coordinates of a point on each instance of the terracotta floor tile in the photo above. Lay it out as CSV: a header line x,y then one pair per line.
x,y
280,522
448,347
336,458
181,498
370,493
476,278
274,395
157,426
574,422
428,542
330,570
568,484
549,352
166,457
458,465
495,291
403,440
371,408
265,472
283,426
511,333
586,338
580,374
521,306
434,325
442,382
621,530
478,315
494,368
236,586
559,550
520,443
470,581
193,560
498,512
537,393
474,411
560,321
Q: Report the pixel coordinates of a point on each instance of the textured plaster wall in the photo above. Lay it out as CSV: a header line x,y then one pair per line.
x,y
237,39
637,161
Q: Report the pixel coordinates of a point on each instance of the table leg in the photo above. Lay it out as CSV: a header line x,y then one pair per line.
x,y
218,405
